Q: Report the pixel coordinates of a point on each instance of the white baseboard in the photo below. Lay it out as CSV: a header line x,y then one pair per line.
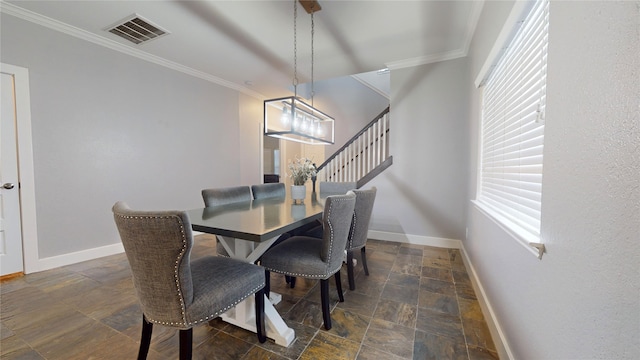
x,y
499,340
496,331
415,239
78,256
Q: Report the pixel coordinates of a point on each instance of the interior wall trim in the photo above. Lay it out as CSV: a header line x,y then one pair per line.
x,y
497,334
496,331
78,256
415,239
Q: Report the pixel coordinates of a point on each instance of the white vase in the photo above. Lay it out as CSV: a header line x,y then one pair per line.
x,y
298,193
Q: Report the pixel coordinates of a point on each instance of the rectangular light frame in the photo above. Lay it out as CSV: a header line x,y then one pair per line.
x,y
292,119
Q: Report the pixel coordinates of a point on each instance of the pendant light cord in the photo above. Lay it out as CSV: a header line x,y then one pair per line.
x,y
312,33
295,49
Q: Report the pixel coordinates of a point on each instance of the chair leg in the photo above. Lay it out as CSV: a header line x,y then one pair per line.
x,y
324,294
350,272
186,341
260,328
145,340
339,286
364,261
291,280
267,283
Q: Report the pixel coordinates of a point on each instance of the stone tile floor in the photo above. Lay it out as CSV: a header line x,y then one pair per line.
x,y
417,303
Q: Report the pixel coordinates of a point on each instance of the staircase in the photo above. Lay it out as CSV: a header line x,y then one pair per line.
x,y
362,158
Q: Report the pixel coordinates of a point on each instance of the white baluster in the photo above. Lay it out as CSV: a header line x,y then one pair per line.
x,y
351,159
369,152
358,157
378,147
340,166
384,137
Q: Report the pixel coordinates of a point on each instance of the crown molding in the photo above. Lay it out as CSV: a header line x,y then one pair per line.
x,y
53,24
370,86
474,17
423,60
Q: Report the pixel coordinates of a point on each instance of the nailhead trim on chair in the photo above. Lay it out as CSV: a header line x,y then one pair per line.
x,y
211,316
352,230
331,228
180,256
175,271
327,274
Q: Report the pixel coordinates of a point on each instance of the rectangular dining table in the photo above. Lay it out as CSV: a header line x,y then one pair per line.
x,y
247,230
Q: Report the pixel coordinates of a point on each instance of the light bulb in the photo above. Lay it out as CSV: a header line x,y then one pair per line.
x,y
285,118
296,121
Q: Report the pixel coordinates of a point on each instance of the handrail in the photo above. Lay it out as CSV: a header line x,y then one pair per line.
x,y
375,172
346,144
361,158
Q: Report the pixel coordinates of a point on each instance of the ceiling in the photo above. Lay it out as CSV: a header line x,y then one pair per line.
x,y
248,45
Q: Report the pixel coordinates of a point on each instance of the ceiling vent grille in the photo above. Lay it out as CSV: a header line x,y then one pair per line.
x,y
136,29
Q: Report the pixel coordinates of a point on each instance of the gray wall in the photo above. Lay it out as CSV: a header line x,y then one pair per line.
x,y
581,301
423,193
352,105
108,127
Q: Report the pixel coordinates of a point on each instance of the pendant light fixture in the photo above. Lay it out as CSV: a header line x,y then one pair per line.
x,y
290,118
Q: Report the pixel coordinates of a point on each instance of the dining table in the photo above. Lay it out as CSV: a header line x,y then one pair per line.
x,y
246,230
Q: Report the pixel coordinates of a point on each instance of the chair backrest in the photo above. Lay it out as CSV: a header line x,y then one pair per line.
x,y
336,222
158,246
336,188
226,195
361,218
267,191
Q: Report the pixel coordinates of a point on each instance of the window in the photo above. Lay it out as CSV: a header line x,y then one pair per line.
x,y
512,131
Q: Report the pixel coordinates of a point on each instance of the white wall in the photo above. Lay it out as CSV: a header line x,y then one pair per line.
x,y
582,300
108,127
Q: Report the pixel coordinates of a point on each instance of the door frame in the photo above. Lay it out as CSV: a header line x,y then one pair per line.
x,y
26,177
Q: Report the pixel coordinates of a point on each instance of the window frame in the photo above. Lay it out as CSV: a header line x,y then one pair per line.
x,y
503,215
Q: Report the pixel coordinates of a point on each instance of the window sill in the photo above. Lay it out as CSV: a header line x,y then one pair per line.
x,y
521,237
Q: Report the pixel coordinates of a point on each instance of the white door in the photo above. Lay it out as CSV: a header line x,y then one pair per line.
x,y
10,229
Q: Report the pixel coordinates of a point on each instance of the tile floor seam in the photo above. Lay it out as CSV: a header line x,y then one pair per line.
x,y
108,272
309,343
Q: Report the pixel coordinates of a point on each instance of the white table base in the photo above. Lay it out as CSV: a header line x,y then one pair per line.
x,y
243,315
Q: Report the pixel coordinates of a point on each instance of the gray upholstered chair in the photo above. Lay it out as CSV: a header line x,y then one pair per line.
x,y
272,191
226,195
267,191
175,291
358,233
223,196
327,188
315,258
334,187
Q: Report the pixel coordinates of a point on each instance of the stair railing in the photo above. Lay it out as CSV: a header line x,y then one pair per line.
x,y
361,158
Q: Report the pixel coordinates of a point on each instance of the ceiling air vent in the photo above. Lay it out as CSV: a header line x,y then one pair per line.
x,y
136,29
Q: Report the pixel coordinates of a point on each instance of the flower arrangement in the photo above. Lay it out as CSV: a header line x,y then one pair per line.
x,y
301,169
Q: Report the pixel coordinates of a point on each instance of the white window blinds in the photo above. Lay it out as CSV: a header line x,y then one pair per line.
x,y
513,108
